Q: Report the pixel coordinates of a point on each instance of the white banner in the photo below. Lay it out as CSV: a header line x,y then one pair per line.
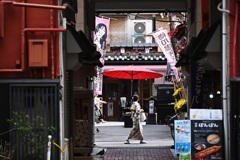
x,y
164,42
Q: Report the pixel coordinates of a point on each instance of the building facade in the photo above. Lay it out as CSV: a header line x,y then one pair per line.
x,y
42,74
43,62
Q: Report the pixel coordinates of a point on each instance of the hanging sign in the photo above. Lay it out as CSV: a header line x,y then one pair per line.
x,y
100,40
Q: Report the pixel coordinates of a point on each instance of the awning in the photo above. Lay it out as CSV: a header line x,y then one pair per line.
x,y
80,50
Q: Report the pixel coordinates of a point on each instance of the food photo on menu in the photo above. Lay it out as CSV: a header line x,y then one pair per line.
x,y
206,140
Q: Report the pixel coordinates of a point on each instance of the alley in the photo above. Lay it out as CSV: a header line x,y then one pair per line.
x,y
109,143
113,135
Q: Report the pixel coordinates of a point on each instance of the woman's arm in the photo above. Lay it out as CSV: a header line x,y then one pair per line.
x,y
103,102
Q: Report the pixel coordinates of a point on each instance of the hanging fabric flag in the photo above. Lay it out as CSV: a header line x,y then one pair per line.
x,y
100,40
101,35
163,40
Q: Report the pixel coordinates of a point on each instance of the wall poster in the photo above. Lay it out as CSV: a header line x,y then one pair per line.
x,y
151,107
182,132
110,109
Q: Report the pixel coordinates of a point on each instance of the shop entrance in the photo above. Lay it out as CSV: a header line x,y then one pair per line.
x,y
111,110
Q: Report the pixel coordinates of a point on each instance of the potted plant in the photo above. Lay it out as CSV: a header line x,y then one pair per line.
x,y
33,133
177,93
181,105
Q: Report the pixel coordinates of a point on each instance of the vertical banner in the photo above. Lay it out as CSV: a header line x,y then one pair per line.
x,y
101,35
207,134
100,40
163,40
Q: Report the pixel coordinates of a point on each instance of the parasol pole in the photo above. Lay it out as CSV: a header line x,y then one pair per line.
x,y
131,86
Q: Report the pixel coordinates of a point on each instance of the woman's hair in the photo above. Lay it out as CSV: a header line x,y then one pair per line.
x,y
104,37
135,97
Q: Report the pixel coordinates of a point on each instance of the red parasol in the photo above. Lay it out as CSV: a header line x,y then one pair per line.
x,y
131,72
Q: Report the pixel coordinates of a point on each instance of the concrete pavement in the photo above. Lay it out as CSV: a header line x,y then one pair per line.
x,y
113,135
109,143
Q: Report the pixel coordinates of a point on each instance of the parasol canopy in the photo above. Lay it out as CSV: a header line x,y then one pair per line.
x,y
131,72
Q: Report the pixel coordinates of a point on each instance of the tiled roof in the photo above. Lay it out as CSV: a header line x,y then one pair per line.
x,y
133,45
135,57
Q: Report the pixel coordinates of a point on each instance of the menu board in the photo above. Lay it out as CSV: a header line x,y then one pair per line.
x,y
206,139
205,114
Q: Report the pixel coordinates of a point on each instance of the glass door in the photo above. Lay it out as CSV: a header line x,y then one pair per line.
x,y
112,108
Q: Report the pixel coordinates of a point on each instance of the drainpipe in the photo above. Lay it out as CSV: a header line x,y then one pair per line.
x,y
23,21
44,30
62,91
225,78
51,39
36,5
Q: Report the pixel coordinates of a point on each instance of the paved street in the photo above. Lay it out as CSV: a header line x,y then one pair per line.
x,y
111,139
113,135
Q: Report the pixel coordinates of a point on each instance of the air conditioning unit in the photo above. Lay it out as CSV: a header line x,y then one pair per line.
x,y
141,30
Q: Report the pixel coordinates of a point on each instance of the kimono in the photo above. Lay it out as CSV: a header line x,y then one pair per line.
x,y
137,130
98,113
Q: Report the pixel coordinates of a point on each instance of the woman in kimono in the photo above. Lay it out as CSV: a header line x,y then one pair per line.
x,y
137,131
100,36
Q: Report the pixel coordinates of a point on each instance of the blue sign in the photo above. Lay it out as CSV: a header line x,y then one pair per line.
x,y
182,131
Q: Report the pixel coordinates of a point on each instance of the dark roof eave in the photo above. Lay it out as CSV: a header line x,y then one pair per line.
x,y
136,62
89,52
196,48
